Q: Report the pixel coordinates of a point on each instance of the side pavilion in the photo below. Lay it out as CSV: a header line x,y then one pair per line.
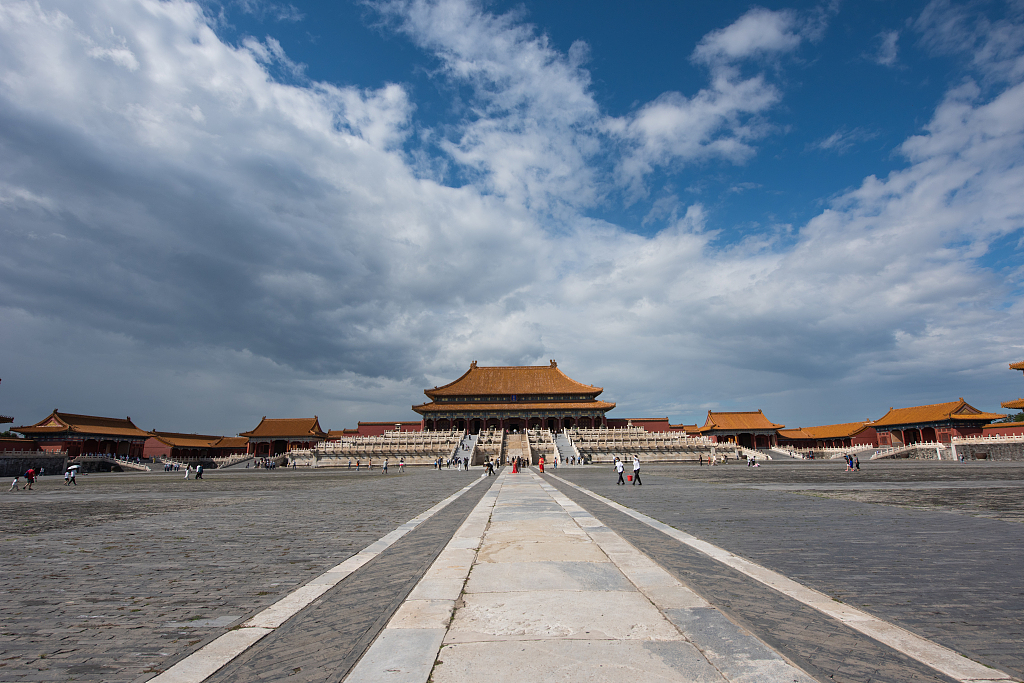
x,y
830,436
748,429
178,446
938,422
277,436
87,435
514,398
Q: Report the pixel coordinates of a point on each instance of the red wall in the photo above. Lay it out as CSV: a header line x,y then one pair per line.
x,y
155,448
1005,429
378,428
16,444
866,437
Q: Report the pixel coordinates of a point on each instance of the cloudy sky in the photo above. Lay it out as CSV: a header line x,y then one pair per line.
x,y
213,211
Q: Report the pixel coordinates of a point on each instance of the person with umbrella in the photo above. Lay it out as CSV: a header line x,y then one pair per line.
x,y
70,474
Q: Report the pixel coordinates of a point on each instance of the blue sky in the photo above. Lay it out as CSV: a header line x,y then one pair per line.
x,y
215,211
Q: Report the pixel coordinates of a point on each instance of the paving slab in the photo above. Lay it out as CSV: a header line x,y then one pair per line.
x,y
555,595
116,580
575,661
907,566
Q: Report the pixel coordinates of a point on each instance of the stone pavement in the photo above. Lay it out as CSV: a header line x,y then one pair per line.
x,y
529,578
119,578
555,595
946,571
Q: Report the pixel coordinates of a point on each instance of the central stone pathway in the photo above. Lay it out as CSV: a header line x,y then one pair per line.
x,y
535,588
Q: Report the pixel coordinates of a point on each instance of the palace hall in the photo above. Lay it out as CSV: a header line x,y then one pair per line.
x,y
515,399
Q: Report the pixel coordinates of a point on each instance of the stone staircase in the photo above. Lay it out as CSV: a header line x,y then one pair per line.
x,y
565,449
470,440
123,464
236,464
516,446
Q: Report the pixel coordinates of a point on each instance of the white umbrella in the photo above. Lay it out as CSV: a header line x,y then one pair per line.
x,y
73,467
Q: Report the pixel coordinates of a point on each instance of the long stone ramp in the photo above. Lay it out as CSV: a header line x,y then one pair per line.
x,y
533,587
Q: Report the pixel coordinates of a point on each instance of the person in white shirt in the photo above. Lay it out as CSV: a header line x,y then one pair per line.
x,y
619,468
636,471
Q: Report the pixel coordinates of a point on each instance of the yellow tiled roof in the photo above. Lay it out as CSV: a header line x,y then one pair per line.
x,y
1003,425
740,420
844,430
511,406
524,379
1013,405
57,422
1017,366
301,427
937,412
178,440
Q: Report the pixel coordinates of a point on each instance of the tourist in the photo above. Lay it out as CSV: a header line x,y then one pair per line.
x,y
619,468
73,471
540,463
636,471
14,484
384,467
199,471
188,470
401,465
30,478
856,462
67,477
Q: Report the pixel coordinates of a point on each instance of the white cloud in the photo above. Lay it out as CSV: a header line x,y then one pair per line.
x,y
996,47
718,122
843,140
274,10
195,225
533,128
888,50
759,32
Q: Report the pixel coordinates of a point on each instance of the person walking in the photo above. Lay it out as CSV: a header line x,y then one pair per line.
x,y
67,477
401,465
74,473
619,468
188,470
856,462
636,471
199,471
30,478
14,484
384,468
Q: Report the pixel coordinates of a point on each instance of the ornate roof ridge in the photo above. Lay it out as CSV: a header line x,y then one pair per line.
x,y
481,380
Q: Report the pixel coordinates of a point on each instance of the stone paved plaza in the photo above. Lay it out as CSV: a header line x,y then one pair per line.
x,y
121,577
